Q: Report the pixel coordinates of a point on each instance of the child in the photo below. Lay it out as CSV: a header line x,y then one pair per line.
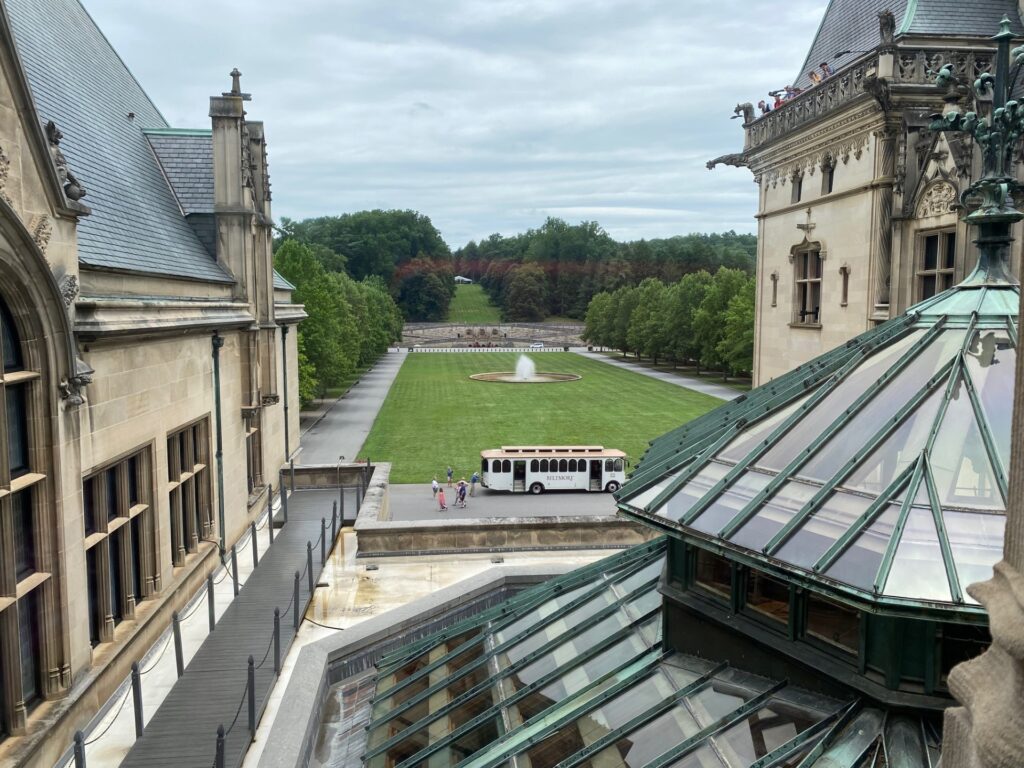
x,y
440,499
450,473
435,486
461,494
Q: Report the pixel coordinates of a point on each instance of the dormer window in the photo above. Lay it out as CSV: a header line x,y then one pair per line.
x,y
836,624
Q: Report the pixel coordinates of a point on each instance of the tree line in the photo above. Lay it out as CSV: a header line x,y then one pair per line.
x,y
702,318
350,323
557,269
402,249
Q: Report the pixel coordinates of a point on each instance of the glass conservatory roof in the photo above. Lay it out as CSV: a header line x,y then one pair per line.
x,y
881,465
573,673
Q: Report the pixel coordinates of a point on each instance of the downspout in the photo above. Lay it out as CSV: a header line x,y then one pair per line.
x,y
218,342
284,373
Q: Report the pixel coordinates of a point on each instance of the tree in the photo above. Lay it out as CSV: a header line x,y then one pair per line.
x,y
421,292
624,302
709,319
647,332
599,320
525,297
683,301
736,348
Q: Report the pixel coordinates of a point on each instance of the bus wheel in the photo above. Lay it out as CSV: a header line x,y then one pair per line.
x,y
612,487
536,489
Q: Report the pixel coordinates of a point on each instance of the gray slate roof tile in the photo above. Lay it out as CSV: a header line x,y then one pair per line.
x,y
78,81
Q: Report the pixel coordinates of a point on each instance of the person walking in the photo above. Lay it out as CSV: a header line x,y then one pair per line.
x,y
473,480
441,499
450,473
435,486
461,494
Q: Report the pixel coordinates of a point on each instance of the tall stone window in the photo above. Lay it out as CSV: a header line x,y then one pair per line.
x,y
253,450
844,276
120,556
28,624
828,176
188,474
936,259
807,282
797,180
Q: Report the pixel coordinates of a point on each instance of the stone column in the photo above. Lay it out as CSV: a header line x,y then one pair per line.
x,y
881,242
988,730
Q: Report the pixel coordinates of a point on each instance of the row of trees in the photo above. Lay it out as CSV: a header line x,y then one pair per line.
x,y
349,324
558,268
401,248
702,318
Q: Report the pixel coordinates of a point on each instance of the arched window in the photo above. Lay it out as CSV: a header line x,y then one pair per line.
x,y
572,465
609,465
563,465
534,465
506,466
543,465
26,580
618,465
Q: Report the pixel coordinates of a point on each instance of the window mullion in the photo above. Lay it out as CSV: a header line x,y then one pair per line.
x,y
10,660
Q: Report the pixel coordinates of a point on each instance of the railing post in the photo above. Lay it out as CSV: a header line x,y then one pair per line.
x,y
334,525
179,658
209,602
295,603
218,761
309,566
341,501
291,467
79,749
270,512
137,698
252,699
277,641
284,497
255,552
234,569
323,542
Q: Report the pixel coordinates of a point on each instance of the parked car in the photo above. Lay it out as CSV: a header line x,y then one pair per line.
x,y
537,345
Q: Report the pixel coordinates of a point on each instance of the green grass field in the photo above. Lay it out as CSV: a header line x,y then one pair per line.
x,y
436,415
470,306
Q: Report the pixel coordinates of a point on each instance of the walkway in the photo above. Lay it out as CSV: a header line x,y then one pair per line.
x,y
343,430
706,387
182,733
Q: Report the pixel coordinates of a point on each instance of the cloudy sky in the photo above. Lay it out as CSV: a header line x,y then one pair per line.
x,y
486,115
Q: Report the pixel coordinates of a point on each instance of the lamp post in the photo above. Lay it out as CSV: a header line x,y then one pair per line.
x,y
988,730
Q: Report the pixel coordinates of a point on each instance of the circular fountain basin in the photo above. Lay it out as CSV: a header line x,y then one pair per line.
x,y
511,377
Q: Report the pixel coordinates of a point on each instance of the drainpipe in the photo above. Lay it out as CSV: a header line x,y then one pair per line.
x,y
218,342
284,370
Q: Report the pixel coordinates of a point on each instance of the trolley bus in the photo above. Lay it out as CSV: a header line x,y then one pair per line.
x,y
540,468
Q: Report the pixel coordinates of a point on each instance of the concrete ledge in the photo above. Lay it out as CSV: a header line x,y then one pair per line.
x,y
326,475
323,663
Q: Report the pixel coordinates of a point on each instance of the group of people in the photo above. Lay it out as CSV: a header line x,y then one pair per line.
x,y
462,489
783,95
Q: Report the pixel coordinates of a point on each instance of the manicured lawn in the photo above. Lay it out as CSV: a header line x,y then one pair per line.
x,y
470,306
436,415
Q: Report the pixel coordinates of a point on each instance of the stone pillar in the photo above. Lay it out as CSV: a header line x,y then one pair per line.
x,y
988,730
881,242
230,185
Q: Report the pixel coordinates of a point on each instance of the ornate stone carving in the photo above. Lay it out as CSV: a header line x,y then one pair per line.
x,y
937,199
737,160
270,400
246,157
919,66
68,289
41,229
72,390
878,87
5,171
886,27
746,109
72,187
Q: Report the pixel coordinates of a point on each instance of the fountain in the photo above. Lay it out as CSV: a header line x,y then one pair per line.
x,y
525,373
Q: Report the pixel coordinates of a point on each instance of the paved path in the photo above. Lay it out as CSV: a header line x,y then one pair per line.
x,y
183,731
343,430
705,387
414,502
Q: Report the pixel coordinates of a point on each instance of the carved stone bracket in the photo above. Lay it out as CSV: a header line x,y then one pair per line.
x,y
72,390
270,400
68,289
73,188
41,229
5,172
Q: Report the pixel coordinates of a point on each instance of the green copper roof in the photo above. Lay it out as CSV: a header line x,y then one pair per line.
x,y
573,673
880,466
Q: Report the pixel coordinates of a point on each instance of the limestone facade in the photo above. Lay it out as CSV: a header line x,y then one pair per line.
x,y
116,383
859,215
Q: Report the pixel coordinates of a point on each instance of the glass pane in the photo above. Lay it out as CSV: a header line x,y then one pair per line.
x,y
136,551
768,597
133,481
977,545
713,572
773,514
917,569
744,442
24,534
17,431
896,452
822,529
703,757
687,496
536,615
762,732
11,345
927,286
960,464
931,252
643,499
566,652
559,627
93,584
840,398
858,565
649,741
835,624
949,240
729,503
110,483
28,637
89,506
991,361
641,578
116,576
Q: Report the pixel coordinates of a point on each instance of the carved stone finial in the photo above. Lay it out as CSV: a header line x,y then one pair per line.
x,y
74,189
236,85
886,27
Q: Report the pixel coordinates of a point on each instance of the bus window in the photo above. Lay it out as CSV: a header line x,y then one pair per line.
x,y
563,465
534,466
543,465
608,464
572,465
506,466
618,465
483,466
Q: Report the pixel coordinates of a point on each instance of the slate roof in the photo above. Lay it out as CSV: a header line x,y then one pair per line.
x,y
852,25
186,157
78,81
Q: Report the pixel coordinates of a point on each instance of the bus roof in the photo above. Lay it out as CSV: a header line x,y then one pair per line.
x,y
509,451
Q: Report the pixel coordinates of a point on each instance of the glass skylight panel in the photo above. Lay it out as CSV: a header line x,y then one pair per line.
x,y
774,513
992,363
655,738
977,544
643,500
917,569
542,611
823,529
858,565
681,502
745,442
558,627
763,731
729,503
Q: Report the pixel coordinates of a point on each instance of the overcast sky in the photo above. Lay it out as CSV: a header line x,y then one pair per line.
x,y
486,115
